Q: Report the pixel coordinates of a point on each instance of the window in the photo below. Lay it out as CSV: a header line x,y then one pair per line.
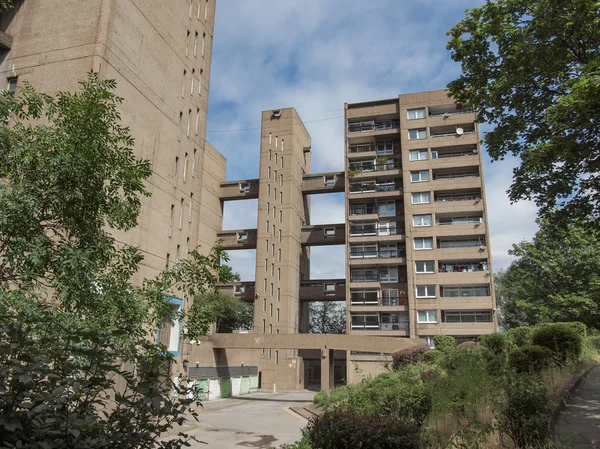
x,y
278,299
389,297
267,227
281,194
425,291
198,14
273,250
200,82
424,266
11,85
180,125
180,213
384,147
206,10
271,309
388,250
280,216
419,176
187,246
416,113
418,155
278,318
280,182
170,332
197,119
191,208
423,243
279,255
203,42
329,181
244,187
183,83
422,220
280,235
421,197
364,320
387,209
185,164
167,259
189,121
278,274
415,134
191,7
329,289
456,292
171,220
187,41
329,233
194,164
195,43
363,250
387,228
176,170
266,245
192,83
388,274
427,316
177,254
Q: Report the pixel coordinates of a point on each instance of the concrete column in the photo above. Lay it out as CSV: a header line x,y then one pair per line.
x,y
304,317
327,374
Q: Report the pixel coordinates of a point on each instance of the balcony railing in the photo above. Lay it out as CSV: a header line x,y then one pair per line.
x,y
457,175
364,298
364,277
448,113
372,186
374,254
461,220
365,166
450,133
458,197
371,229
463,267
372,125
380,326
363,210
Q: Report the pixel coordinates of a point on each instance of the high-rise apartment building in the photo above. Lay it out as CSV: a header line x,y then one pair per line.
x,y
159,52
418,257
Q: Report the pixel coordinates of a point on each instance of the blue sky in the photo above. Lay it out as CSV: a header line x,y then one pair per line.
x,y
316,55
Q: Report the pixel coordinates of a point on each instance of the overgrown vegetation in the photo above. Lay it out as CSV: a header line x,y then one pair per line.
x,y
491,394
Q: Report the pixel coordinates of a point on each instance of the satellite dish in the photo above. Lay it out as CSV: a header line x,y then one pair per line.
x,y
459,131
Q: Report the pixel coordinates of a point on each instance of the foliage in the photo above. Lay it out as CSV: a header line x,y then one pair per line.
x,y
522,412
432,356
520,336
5,5
580,328
530,359
302,444
594,342
60,384
347,429
227,275
403,357
531,68
444,343
561,339
327,318
497,343
555,278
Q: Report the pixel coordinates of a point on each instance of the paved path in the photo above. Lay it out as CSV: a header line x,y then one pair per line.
x,y
579,423
257,420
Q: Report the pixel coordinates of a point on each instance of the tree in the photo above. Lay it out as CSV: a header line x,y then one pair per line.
x,y
556,277
531,68
227,275
327,318
69,314
5,5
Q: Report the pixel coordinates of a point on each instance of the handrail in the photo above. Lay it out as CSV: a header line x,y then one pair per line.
x,y
375,126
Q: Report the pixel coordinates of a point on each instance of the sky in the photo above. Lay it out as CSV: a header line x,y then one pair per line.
x,y
316,55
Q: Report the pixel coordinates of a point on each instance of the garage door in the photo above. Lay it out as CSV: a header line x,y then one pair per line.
x,y
245,385
236,386
225,387
202,385
214,389
253,384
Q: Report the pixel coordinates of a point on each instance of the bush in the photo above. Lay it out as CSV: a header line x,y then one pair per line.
x,y
334,398
470,344
465,355
432,356
395,395
562,339
522,414
496,343
404,357
444,343
520,336
594,342
346,429
530,359
579,327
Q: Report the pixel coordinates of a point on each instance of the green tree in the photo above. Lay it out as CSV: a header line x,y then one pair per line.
x,y
531,68
556,277
67,176
327,318
227,275
5,5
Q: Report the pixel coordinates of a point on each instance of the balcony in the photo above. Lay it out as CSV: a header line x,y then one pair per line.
x,y
375,298
454,152
448,110
363,209
457,195
458,219
375,254
462,173
463,266
374,228
461,291
384,188
371,125
451,131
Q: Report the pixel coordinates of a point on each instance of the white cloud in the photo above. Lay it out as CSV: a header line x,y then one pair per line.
x,y
316,55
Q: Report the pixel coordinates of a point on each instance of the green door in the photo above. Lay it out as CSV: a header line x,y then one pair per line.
x,y
245,385
225,387
202,389
253,384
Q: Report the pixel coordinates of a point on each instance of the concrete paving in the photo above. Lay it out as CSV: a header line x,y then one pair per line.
x,y
579,424
258,420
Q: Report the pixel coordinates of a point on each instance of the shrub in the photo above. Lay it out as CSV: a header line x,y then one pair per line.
x,y
496,343
470,344
346,429
530,359
579,327
594,342
522,414
520,336
334,398
465,355
561,339
395,395
444,343
403,357
432,356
